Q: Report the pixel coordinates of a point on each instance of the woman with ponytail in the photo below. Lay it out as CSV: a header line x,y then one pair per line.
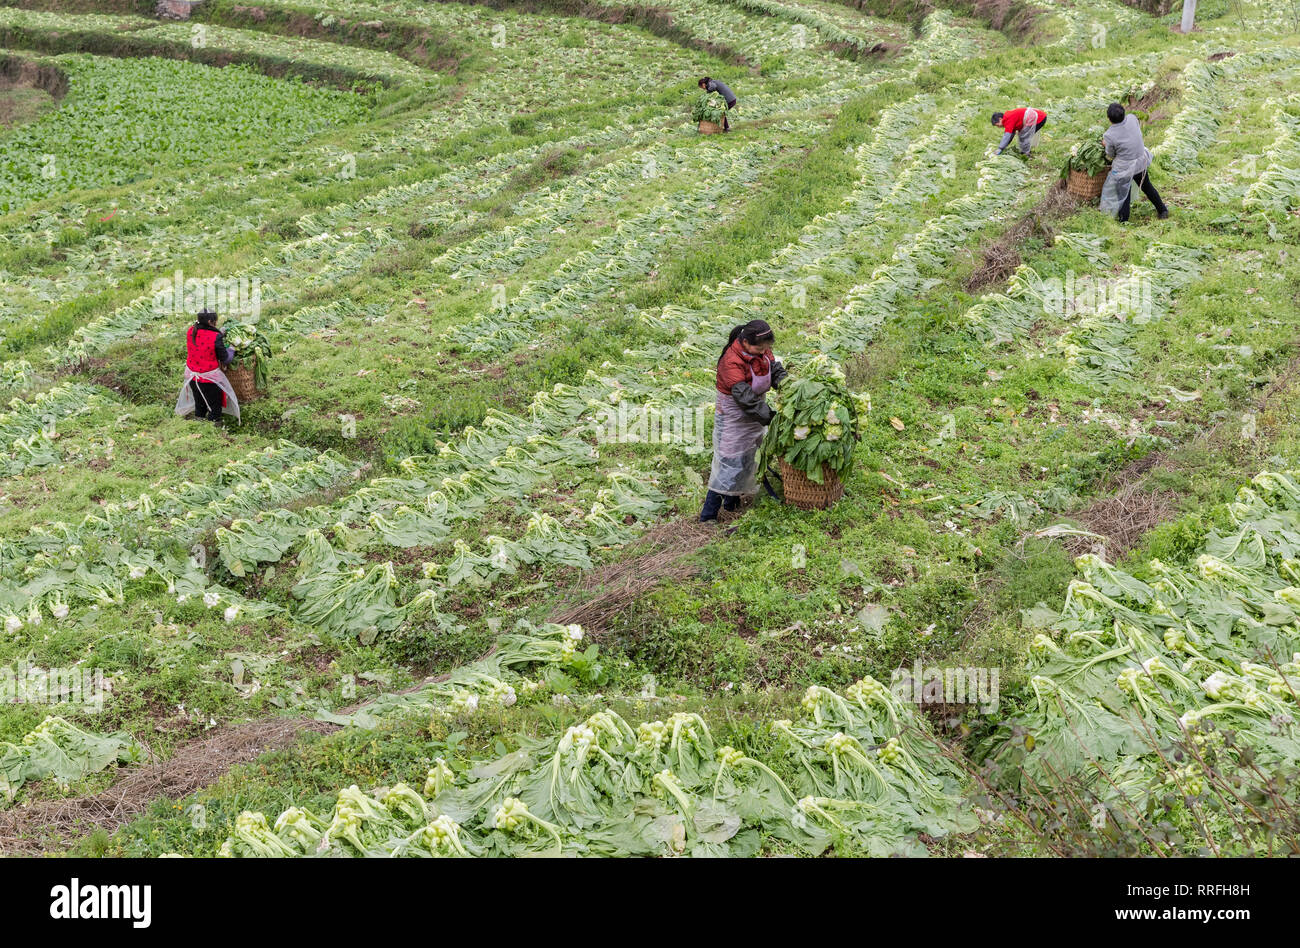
x,y
205,390
746,370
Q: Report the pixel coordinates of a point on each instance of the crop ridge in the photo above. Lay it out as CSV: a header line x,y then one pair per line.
x,y
612,587
125,46
50,825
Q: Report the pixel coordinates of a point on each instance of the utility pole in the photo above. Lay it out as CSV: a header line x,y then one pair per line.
x,y
1189,15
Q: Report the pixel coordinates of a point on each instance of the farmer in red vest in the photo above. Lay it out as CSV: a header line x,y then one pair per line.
x,y
1023,122
206,391
746,370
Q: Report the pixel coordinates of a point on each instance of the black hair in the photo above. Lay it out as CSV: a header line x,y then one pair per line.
x,y
997,118
207,318
1115,112
753,332
704,81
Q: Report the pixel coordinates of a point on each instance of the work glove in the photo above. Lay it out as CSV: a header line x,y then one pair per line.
x,y
778,374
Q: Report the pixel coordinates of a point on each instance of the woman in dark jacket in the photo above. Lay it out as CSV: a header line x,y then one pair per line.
x,y
746,370
709,84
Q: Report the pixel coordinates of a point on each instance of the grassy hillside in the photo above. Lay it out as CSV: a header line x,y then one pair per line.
x,y
418,600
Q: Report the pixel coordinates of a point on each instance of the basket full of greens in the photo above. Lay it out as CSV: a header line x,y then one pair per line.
x,y
248,370
1085,170
815,421
707,110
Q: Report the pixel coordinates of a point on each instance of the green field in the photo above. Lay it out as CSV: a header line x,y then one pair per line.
x,y
419,601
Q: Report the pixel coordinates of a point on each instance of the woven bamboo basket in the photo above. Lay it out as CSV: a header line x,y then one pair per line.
x,y
241,380
710,128
804,493
1087,187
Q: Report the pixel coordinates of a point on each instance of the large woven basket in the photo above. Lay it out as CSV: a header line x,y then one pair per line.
x,y
1087,187
804,493
710,128
241,380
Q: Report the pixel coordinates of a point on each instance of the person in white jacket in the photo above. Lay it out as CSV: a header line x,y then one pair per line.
x,y
1130,161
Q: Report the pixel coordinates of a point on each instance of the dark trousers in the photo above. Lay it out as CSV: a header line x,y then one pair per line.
x,y
726,126
1144,182
207,399
713,502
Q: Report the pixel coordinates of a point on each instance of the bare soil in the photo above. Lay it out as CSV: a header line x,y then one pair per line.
x,y
607,591
52,825
1000,257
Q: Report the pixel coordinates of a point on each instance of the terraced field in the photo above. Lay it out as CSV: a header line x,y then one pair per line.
x,y
419,601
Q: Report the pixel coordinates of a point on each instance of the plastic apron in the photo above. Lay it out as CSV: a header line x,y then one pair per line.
x,y
1119,183
185,404
736,438
1029,131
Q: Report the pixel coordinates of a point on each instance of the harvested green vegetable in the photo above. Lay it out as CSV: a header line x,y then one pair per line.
x,y
1132,665
708,107
815,421
252,347
1087,157
867,773
60,750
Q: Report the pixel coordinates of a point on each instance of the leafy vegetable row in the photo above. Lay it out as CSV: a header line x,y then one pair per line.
x,y
62,751
1203,651
860,767
1277,188
629,250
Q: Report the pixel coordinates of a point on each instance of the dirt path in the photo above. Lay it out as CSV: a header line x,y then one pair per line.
x,y
1130,508
608,590
53,825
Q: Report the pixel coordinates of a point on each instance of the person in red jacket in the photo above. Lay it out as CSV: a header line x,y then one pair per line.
x,y
746,370
1026,123
206,389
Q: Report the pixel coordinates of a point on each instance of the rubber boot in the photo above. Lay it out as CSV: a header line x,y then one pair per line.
x,y
712,504
730,502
